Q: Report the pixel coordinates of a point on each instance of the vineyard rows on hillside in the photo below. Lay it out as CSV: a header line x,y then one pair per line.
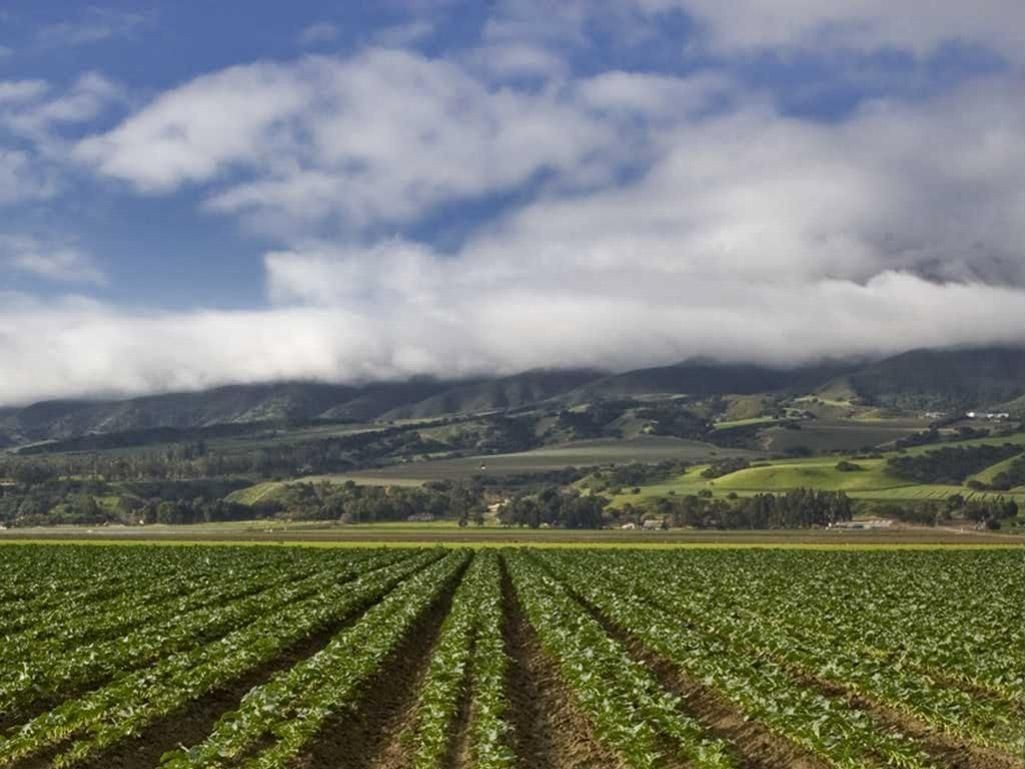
x,y
197,657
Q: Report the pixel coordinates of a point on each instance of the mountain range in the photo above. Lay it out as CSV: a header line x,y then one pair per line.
x,y
915,380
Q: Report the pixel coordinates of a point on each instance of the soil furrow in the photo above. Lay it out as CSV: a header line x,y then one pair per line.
x,y
373,733
548,731
458,756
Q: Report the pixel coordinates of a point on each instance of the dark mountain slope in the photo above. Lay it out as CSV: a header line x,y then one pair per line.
x,y
703,378
917,380
943,379
281,402
372,401
496,394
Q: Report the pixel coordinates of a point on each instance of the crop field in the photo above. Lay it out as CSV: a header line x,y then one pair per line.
x,y
185,657
649,448
836,435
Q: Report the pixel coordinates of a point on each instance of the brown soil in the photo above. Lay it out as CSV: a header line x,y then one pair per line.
x,y
548,731
458,756
373,734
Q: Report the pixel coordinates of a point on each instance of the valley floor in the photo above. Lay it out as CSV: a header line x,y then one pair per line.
x,y
448,533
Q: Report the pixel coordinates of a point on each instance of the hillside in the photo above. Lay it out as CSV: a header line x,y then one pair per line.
x,y
506,393
943,379
704,378
913,382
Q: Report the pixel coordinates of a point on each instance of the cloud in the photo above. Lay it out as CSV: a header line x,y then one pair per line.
x,y
652,218
33,152
404,35
16,91
751,236
868,25
94,25
49,260
38,111
321,32
500,61
77,346
385,136
22,180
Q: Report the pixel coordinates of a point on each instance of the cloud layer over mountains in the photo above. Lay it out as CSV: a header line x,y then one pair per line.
x,y
611,219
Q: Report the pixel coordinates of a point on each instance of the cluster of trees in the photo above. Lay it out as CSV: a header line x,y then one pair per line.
x,y
614,478
53,501
846,466
725,467
1005,480
352,503
951,464
796,509
991,512
555,507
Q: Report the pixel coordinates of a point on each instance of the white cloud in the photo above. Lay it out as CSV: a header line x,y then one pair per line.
x,y
77,346
94,25
321,32
22,179
403,35
383,137
52,260
753,236
865,25
16,91
500,61
33,153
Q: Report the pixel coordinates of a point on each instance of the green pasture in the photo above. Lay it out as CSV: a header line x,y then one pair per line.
x,y
872,481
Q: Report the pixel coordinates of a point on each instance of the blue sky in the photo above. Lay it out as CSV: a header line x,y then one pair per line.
x,y
196,193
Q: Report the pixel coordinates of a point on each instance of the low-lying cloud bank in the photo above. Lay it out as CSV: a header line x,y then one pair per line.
x,y
81,347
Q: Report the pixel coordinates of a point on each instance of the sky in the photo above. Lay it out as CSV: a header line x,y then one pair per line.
x,y
194,194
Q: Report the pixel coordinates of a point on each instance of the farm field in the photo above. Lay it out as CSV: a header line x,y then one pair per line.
x,y
837,435
184,657
579,453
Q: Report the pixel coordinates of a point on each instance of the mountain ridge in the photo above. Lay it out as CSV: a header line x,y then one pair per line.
x,y
917,379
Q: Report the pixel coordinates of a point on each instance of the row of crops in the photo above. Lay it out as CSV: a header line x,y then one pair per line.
x,y
268,658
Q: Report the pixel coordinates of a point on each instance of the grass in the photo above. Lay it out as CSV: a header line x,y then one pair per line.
x,y
987,475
